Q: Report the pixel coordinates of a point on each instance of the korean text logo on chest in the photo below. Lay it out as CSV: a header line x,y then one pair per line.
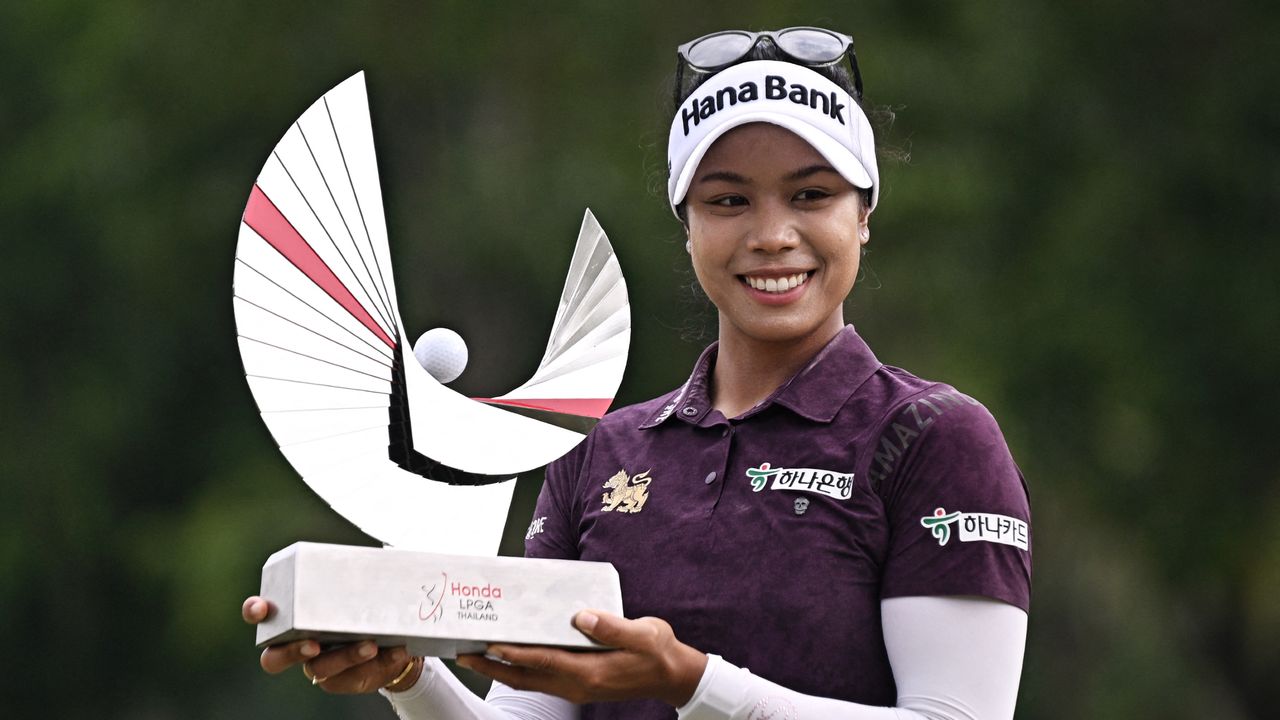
x,y
831,483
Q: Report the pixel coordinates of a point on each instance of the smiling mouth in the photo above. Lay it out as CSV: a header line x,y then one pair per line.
x,y
776,284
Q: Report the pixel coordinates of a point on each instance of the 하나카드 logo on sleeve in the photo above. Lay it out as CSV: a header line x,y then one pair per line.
x,y
833,484
985,527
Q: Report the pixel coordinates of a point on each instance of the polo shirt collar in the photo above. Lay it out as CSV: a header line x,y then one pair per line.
x,y
816,393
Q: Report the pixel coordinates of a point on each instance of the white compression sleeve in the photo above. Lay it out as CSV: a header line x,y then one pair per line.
x,y
438,695
953,658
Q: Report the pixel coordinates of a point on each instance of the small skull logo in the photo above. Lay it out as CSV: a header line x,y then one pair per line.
x,y
802,504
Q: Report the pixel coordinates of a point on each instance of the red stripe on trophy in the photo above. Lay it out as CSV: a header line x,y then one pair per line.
x,y
266,219
584,407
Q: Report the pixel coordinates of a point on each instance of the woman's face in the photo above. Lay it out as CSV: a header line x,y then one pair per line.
x,y
775,234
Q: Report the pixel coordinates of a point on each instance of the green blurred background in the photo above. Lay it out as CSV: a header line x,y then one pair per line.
x,y
1083,238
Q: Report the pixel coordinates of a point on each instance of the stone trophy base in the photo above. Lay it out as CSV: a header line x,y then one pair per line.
x,y
436,605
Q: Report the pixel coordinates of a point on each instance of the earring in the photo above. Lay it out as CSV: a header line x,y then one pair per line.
x,y
688,246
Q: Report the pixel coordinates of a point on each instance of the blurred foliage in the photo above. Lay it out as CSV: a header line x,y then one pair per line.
x,y
1083,237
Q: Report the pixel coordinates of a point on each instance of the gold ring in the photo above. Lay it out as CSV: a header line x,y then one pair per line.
x,y
306,671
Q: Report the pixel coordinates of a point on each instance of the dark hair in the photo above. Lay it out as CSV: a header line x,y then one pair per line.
x,y
881,117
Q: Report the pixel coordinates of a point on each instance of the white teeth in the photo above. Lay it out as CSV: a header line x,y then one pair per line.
x,y
777,285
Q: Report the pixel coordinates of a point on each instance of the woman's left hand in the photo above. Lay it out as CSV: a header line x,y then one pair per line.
x,y
648,662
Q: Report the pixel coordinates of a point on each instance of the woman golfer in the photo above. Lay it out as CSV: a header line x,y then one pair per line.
x,y
809,533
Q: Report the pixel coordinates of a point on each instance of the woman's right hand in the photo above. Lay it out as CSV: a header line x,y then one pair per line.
x,y
356,668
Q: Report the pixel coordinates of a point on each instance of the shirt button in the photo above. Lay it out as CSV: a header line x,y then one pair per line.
x,y
711,477
724,433
690,411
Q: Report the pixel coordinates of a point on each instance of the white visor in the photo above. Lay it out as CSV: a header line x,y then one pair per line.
x,y
790,96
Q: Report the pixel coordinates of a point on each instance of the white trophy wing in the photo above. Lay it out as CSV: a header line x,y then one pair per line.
x,y
411,462
587,351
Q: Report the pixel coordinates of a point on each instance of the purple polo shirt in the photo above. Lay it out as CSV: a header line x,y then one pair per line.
x,y
771,538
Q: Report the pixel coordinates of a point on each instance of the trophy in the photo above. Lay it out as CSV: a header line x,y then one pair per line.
x,y
367,420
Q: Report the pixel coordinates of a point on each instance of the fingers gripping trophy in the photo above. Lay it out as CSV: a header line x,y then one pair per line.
x,y
365,416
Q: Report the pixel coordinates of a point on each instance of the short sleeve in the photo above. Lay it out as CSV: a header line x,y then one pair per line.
x,y
553,533
957,505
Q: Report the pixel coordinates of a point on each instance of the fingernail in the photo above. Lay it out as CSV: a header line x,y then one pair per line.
x,y
587,621
367,650
310,649
465,661
494,652
399,655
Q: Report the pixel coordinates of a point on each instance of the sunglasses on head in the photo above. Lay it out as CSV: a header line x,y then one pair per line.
x,y
807,46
